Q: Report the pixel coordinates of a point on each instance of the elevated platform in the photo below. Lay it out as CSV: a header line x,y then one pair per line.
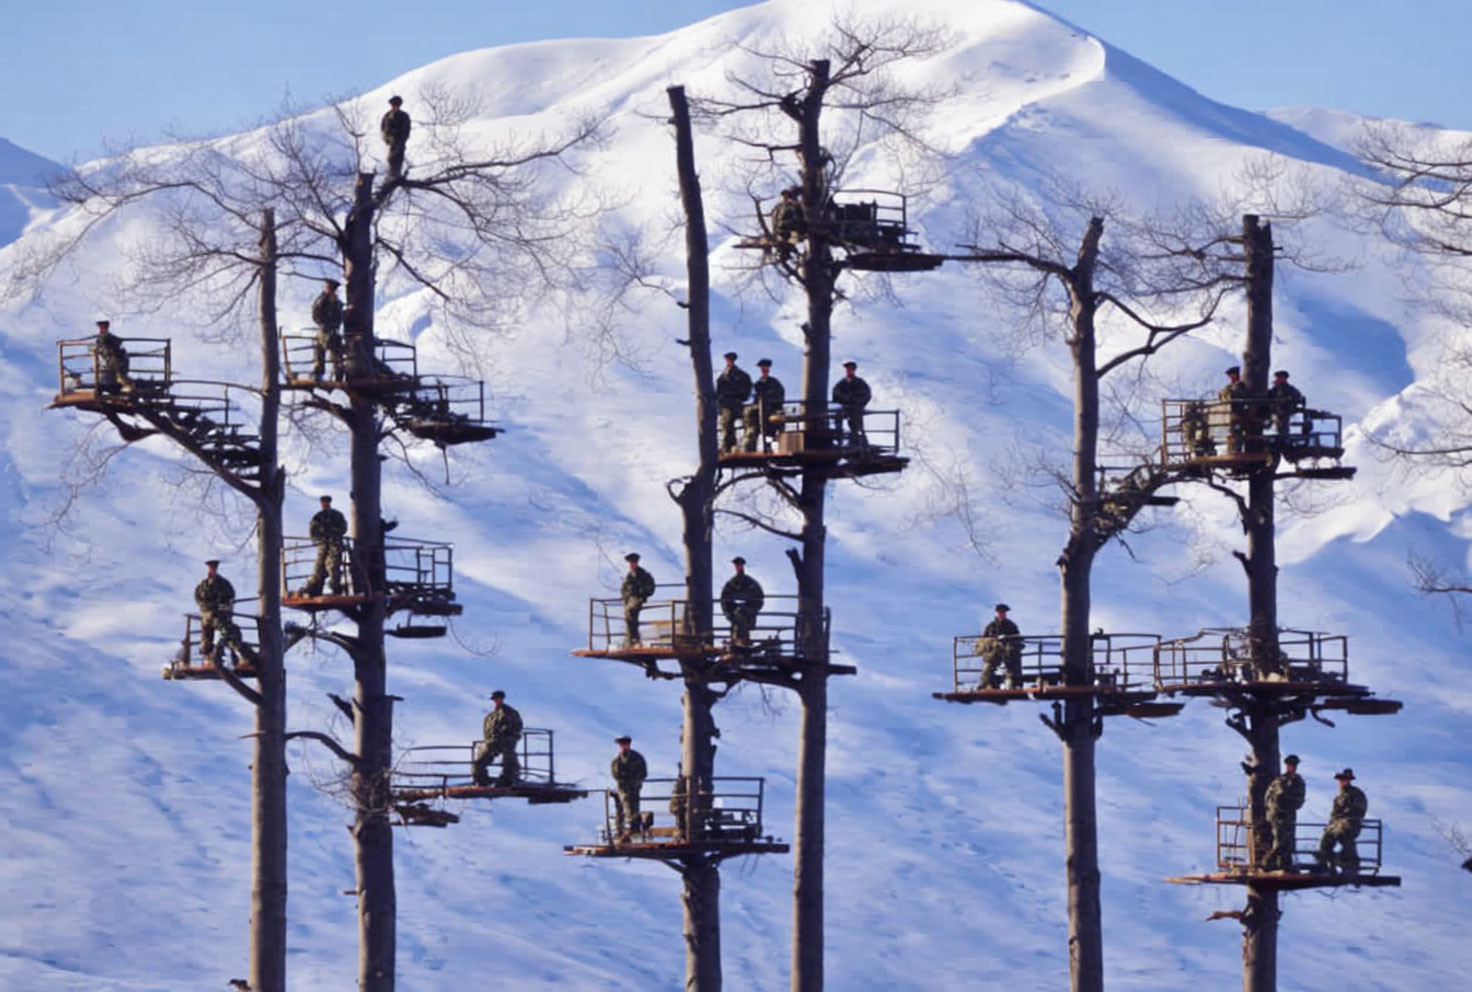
x,y
719,819
1120,680
802,435
193,663
1139,704
1289,881
536,793
1237,865
672,850
868,229
428,776
176,671
323,601
418,580
1239,438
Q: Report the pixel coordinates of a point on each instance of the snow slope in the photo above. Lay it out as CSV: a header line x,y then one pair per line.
x,y
125,798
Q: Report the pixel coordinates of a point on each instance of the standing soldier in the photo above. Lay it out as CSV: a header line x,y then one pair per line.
x,y
741,601
637,588
328,530
395,130
1239,417
1001,644
1345,819
215,597
851,394
788,223
733,386
501,730
1196,430
1283,401
629,772
763,416
1284,798
112,359
327,315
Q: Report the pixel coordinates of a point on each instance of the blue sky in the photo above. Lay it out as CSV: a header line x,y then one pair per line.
x,y
82,75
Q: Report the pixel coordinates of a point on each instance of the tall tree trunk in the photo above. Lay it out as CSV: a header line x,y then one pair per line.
x,y
268,766
702,879
1260,924
1079,727
373,709
818,275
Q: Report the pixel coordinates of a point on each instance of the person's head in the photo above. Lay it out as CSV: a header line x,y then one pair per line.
x,y
850,368
103,325
326,502
739,563
1234,373
790,193
1345,777
1002,609
730,357
624,742
331,285
1280,378
765,364
1290,763
395,102
498,697
212,566
633,559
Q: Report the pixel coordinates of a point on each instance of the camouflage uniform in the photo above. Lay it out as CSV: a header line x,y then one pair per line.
x,y
502,731
112,362
629,772
1284,798
788,222
768,395
733,386
328,530
741,601
851,396
1196,431
637,587
395,130
215,597
1345,820
1239,417
327,315
1283,400
999,645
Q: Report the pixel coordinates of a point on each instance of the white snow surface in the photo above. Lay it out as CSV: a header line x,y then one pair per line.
x,y
126,801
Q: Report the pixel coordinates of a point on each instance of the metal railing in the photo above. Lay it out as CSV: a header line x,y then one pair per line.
x,y
1234,842
723,809
800,427
779,630
419,570
1119,661
1224,655
445,400
79,366
385,362
879,223
1193,430
191,652
299,561
440,767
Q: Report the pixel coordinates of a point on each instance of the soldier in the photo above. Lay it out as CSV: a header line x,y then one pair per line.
x,y
501,730
741,601
1283,401
215,597
678,804
733,386
637,588
1284,798
1239,416
763,416
328,531
112,360
1001,644
788,223
1345,819
850,394
1196,430
327,315
629,772
395,130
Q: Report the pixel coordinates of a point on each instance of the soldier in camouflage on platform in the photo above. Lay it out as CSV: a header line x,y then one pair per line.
x,y
637,587
741,601
112,360
329,532
395,130
850,395
1283,800
1001,645
764,414
1283,401
502,731
327,315
788,223
1346,818
629,771
733,386
1196,430
1240,419
215,598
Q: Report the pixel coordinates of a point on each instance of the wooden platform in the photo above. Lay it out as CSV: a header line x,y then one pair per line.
x,y
1125,702
893,261
332,601
1342,691
184,673
1289,880
535,793
737,660
844,462
660,850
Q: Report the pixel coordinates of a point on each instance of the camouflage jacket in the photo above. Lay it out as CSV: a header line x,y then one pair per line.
x,y
110,350
768,392
852,392
744,590
1285,794
733,386
1232,391
1285,396
1001,628
327,311
628,769
394,127
502,724
786,217
214,594
1350,804
328,525
638,584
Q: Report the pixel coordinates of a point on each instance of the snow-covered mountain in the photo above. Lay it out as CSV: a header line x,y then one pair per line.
x,y
23,194
125,798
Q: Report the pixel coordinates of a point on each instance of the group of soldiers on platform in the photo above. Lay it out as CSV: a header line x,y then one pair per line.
x,y
1336,851
1247,414
742,599
758,405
